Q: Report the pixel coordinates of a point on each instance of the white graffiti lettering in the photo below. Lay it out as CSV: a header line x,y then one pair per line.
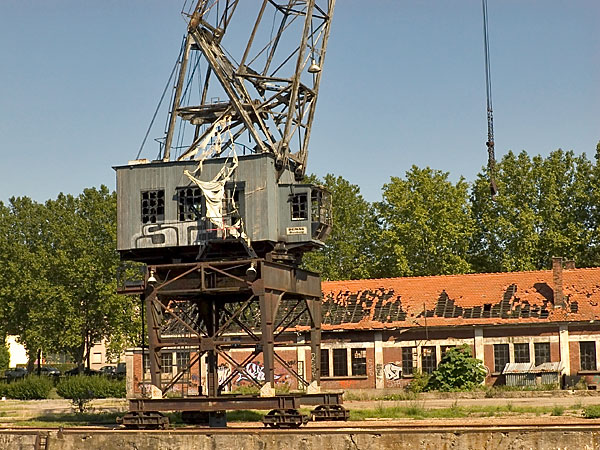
x,y
392,371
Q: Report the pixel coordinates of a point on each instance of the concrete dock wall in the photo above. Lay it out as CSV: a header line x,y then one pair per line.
x,y
262,440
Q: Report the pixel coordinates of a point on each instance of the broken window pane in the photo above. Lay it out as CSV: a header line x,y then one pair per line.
x,y
153,206
359,361
299,207
189,204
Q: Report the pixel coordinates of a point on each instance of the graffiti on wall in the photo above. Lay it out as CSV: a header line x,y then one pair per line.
x,y
223,372
392,371
256,371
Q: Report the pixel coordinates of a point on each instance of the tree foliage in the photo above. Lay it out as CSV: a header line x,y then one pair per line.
x,y
427,225
458,371
59,287
545,207
349,251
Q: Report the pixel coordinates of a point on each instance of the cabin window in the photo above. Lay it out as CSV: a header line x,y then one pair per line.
x,y
501,357
183,360
587,355
300,207
522,353
189,204
153,206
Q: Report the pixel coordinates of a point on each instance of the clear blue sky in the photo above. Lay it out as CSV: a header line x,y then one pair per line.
x,y
403,84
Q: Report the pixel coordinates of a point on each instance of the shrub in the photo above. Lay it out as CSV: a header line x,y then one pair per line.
x,y
557,410
592,412
458,371
3,389
30,388
418,383
82,389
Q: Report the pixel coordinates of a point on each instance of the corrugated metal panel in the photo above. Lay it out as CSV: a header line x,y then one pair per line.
x,y
553,367
521,379
511,368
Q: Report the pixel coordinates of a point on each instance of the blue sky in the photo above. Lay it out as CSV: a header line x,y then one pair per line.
x,y
403,84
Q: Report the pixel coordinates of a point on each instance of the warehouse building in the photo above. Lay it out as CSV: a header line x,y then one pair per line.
x,y
534,327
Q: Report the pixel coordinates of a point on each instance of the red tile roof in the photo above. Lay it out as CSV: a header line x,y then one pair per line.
x,y
453,300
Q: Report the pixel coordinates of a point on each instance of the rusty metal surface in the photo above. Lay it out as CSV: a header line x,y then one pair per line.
x,y
234,402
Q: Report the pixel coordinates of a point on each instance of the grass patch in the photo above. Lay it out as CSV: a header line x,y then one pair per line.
x,y
592,412
417,411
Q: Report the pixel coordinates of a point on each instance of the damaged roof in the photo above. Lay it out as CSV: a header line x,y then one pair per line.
x,y
454,300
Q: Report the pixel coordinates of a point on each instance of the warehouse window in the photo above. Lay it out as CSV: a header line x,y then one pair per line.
x,y
340,362
522,353
542,352
166,362
501,357
189,204
428,359
587,355
145,362
324,363
299,207
359,361
153,206
408,361
182,360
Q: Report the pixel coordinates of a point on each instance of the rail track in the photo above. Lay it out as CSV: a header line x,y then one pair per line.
x,y
379,427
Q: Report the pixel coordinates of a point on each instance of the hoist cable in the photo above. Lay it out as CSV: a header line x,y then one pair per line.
x,y
490,113
162,97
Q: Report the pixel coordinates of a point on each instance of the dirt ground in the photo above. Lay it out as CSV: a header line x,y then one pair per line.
x,y
14,410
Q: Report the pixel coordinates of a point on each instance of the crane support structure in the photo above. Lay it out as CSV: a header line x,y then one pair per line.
x,y
222,226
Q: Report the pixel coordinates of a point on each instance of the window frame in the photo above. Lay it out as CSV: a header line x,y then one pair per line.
x,y
519,352
429,361
152,210
587,361
505,349
184,211
408,364
325,370
299,206
358,360
541,350
340,370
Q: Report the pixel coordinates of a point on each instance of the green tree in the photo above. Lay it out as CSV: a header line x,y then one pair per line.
x,y
348,253
457,371
4,355
427,225
544,208
62,287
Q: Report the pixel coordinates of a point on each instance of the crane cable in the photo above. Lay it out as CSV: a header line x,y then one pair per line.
x,y
490,114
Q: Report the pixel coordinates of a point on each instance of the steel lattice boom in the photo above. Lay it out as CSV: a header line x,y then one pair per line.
x,y
262,93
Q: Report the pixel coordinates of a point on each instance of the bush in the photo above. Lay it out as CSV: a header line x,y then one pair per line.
x,y
3,389
458,371
82,389
592,412
30,388
418,383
